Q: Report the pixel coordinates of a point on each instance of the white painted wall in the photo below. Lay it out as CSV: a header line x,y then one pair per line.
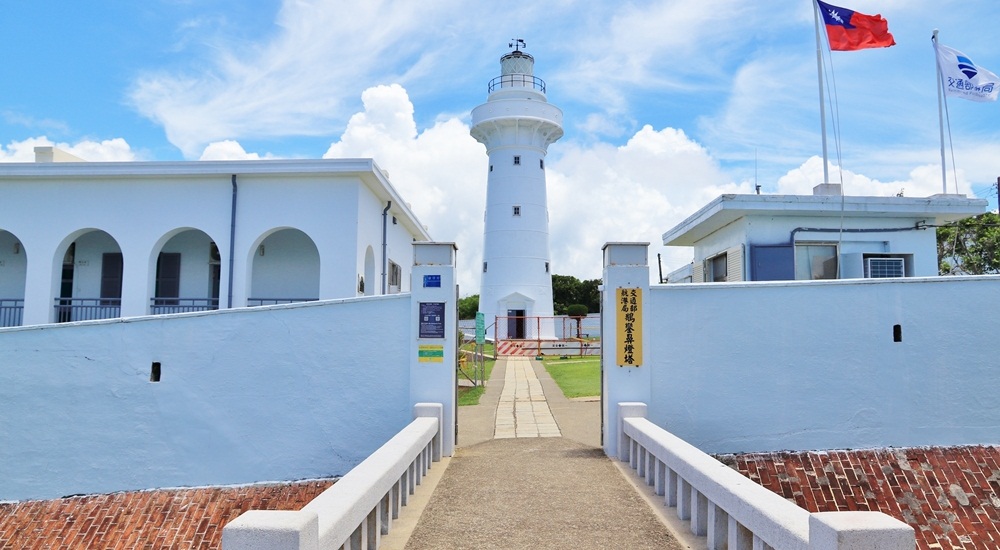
x,y
766,366
288,268
285,392
142,205
813,365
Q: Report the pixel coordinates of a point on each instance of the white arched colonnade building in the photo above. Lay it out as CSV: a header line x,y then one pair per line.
x,y
81,241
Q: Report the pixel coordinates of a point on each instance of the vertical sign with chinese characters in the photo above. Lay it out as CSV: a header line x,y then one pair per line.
x,y
628,341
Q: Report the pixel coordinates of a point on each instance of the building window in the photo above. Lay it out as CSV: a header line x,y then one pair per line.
x,y
541,163
517,160
484,267
491,168
718,268
517,210
546,267
815,261
395,277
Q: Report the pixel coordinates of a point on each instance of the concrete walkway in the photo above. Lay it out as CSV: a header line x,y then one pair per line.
x,y
529,473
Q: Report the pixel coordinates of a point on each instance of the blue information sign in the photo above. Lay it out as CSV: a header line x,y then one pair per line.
x,y
432,281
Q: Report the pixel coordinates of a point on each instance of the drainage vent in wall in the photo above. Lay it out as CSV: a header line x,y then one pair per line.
x,y
154,372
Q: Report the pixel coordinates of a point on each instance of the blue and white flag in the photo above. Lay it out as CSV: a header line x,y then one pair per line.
x,y
962,78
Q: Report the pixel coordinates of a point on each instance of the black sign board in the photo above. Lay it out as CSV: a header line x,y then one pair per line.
x,y
432,319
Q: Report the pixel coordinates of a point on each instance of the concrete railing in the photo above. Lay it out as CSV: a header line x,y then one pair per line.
x,y
733,511
359,508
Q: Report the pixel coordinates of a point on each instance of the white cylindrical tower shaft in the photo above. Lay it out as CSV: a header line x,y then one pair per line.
x,y
517,124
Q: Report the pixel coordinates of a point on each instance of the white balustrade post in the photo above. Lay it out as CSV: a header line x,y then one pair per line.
x,y
699,513
625,267
670,492
683,499
859,530
740,538
626,410
272,530
718,527
432,410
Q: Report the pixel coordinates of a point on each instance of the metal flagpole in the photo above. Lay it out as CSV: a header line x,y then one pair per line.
x,y
822,108
941,99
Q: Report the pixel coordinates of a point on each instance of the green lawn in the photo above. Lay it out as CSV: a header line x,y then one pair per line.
x,y
470,396
576,376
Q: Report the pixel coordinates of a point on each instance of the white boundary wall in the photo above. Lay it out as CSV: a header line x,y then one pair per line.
x,y
245,395
742,367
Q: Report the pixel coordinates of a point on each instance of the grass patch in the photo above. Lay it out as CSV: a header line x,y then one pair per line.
x,y
576,376
471,395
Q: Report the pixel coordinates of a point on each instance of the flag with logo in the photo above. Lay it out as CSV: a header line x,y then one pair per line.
x,y
849,30
963,78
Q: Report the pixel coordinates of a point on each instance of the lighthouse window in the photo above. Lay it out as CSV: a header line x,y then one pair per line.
x,y
541,163
517,160
484,267
491,168
546,267
517,210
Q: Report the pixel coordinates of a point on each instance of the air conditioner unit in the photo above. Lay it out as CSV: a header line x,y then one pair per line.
x,y
877,268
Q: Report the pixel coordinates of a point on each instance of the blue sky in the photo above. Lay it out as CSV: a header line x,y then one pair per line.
x,y
667,103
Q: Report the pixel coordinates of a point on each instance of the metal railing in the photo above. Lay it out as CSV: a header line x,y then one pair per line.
x,y
517,80
253,302
11,312
160,306
87,309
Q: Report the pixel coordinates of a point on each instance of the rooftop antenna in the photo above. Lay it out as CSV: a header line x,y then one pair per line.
x,y
756,185
517,44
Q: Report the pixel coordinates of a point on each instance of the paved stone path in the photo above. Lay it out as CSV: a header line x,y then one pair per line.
x,y
540,482
523,410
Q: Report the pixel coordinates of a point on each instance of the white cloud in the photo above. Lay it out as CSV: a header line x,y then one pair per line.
x,y
923,181
299,81
109,150
227,150
635,192
441,171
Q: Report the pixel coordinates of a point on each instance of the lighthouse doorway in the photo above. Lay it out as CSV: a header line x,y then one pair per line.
x,y
515,324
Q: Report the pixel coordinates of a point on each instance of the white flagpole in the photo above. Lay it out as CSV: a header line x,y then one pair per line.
x,y
941,99
822,108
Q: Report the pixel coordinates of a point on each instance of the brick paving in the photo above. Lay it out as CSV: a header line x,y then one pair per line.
x,y
173,518
949,495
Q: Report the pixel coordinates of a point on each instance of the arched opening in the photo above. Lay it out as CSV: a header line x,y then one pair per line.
x,y
186,273
369,276
285,269
90,281
13,274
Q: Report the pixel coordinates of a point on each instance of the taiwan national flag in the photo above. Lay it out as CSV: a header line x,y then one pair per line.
x,y
849,30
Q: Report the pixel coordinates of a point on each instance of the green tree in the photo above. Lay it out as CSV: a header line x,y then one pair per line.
x,y
970,247
468,306
568,290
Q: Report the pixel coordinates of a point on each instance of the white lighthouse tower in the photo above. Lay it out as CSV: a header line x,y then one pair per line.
x,y
517,124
